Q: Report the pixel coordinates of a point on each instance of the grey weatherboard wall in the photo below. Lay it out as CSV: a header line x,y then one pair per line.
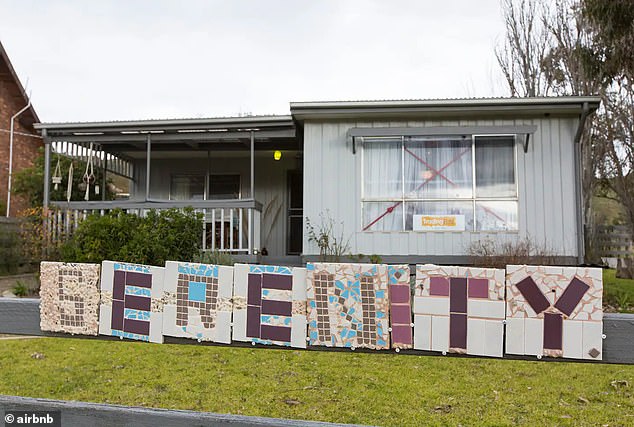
x,y
547,212
270,183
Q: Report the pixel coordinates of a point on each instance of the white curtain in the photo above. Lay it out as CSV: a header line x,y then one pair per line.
x,y
397,171
187,187
496,215
495,166
438,168
382,179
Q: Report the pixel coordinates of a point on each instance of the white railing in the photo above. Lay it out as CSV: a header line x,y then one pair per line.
x,y
231,226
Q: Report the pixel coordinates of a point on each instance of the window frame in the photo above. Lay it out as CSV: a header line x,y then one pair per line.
x,y
209,177
202,174
473,199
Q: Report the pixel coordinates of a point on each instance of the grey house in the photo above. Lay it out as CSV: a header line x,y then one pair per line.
x,y
412,180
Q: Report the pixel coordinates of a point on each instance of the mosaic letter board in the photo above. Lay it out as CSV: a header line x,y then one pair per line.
x,y
554,311
131,301
459,310
198,301
400,306
69,298
269,305
348,305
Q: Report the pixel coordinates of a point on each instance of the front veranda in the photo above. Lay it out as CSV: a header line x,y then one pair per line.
x,y
223,168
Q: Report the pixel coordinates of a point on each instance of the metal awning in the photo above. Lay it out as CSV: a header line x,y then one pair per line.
x,y
269,132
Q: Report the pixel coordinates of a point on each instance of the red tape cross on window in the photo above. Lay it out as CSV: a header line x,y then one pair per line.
x,y
435,173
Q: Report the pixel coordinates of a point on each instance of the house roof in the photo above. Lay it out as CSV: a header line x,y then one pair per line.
x,y
215,127
192,124
219,132
464,107
15,88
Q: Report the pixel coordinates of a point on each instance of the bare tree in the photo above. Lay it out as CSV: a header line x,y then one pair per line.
x,y
571,65
572,68
615,132
549,50
524,49
612,27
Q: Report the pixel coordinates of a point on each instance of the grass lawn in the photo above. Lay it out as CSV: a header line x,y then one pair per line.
x,y
376,388
618,292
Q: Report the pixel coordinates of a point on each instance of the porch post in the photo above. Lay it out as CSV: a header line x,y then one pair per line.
x,y
252,165
251,213
47,169
147,167
103,178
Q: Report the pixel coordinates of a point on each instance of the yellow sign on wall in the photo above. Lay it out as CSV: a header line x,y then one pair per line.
x,y
439,222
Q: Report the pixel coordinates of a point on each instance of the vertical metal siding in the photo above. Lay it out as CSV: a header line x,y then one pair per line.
x,y
270,184
332,181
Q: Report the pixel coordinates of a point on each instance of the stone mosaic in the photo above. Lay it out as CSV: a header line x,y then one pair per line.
x,y
269,305
132,301
69,298
554,311
400,306
459,310
198,301
348,305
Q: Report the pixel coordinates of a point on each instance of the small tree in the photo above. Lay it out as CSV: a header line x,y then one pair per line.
x,y
332,245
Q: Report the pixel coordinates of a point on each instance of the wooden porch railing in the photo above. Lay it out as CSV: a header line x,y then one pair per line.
x,y
229,225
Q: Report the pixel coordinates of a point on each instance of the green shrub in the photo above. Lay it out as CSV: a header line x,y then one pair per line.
x,y
20,289
159,236
9,250
215,257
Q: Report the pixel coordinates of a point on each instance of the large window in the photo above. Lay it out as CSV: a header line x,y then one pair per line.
x,y
187,187
439,183
224,186
192,187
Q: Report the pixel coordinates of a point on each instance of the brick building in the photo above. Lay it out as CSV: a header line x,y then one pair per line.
x,y
25,140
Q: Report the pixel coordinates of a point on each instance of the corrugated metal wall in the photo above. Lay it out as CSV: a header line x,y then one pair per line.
x,y
547,213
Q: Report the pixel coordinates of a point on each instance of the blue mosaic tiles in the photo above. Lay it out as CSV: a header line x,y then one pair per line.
x,y
196,291
199,301
347,305
130,306
269,305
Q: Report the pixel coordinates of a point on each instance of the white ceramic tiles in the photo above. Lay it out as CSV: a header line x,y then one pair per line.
x,y
554,311
131,301
269,305
198,301
459,310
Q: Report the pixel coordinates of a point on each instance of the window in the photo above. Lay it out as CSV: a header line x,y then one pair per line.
x,y
187,187
439,183
224,187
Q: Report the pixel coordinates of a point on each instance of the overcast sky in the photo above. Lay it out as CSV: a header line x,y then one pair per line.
x,y
113,60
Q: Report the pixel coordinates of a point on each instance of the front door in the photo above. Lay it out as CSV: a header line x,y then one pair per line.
x,y
295,212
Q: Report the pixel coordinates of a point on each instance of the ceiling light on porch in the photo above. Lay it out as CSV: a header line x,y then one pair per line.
x,y
277,154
